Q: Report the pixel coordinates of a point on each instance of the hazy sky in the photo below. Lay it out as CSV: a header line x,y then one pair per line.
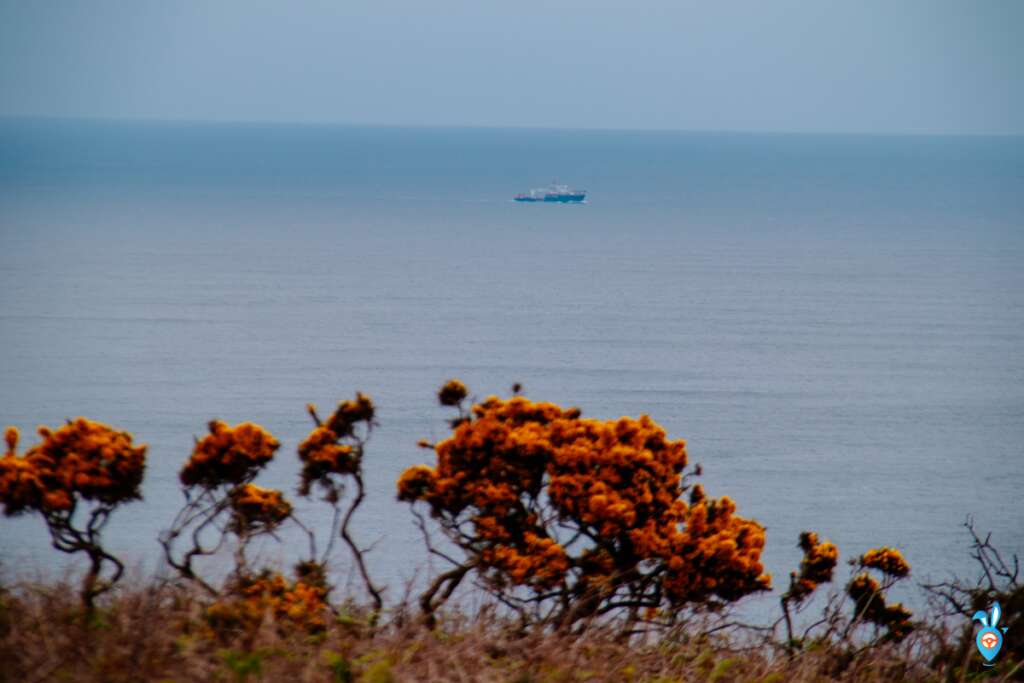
x,y
800,65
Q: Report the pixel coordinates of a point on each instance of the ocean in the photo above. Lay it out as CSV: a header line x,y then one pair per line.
x,y
834,323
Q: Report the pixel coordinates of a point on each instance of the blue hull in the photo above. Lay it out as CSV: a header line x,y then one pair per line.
x,y
555,198
556,194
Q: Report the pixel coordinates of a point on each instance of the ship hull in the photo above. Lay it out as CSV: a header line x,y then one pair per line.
x,y
556,194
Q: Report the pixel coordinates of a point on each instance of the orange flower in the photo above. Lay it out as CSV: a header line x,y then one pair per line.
x,y
538,562
333,447
350,413
816,567
229,455
21,486
889,561
415,482
295,604
80,462
256,508
82,458
616,482
11,438
452,393
869,604
721,554
56,500
321,455
862,586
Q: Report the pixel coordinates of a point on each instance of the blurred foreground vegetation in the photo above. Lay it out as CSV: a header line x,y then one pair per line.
x,y
162,633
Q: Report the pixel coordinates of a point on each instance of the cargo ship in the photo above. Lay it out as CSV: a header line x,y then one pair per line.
x,y
555,193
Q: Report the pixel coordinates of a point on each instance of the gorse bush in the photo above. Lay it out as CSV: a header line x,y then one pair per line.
x,y
869,595
75,477
568,518
839,628
254,508
575,528
332,457
228,456
816,567
220,500
223,506
299,604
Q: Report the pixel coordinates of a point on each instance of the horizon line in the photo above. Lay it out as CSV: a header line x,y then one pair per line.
x,y
472,126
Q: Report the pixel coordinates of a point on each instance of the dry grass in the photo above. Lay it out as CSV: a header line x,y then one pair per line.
x,y
157,633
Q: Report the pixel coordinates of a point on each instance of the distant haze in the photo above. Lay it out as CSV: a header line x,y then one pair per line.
x,y
861,66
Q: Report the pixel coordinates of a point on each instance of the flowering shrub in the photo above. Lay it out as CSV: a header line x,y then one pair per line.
x,y
889,561
216,480
816,567
869,596
322,455
332,455
587,515
222,502
82,467
229,455
21,482
257,508
83,460
452,393
334,447
300,604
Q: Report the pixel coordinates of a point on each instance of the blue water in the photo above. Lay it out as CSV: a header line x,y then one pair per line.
x,y
835,324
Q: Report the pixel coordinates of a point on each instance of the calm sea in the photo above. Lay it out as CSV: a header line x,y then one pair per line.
x,y
834,323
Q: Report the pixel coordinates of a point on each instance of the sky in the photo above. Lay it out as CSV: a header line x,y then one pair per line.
x,y
875,66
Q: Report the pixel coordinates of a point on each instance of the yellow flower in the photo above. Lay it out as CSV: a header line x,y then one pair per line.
x,y
257,508
816,567
887,560
350,413
292,605
82,459
322,455
415,482
452,393
11,438
616,481
229,455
